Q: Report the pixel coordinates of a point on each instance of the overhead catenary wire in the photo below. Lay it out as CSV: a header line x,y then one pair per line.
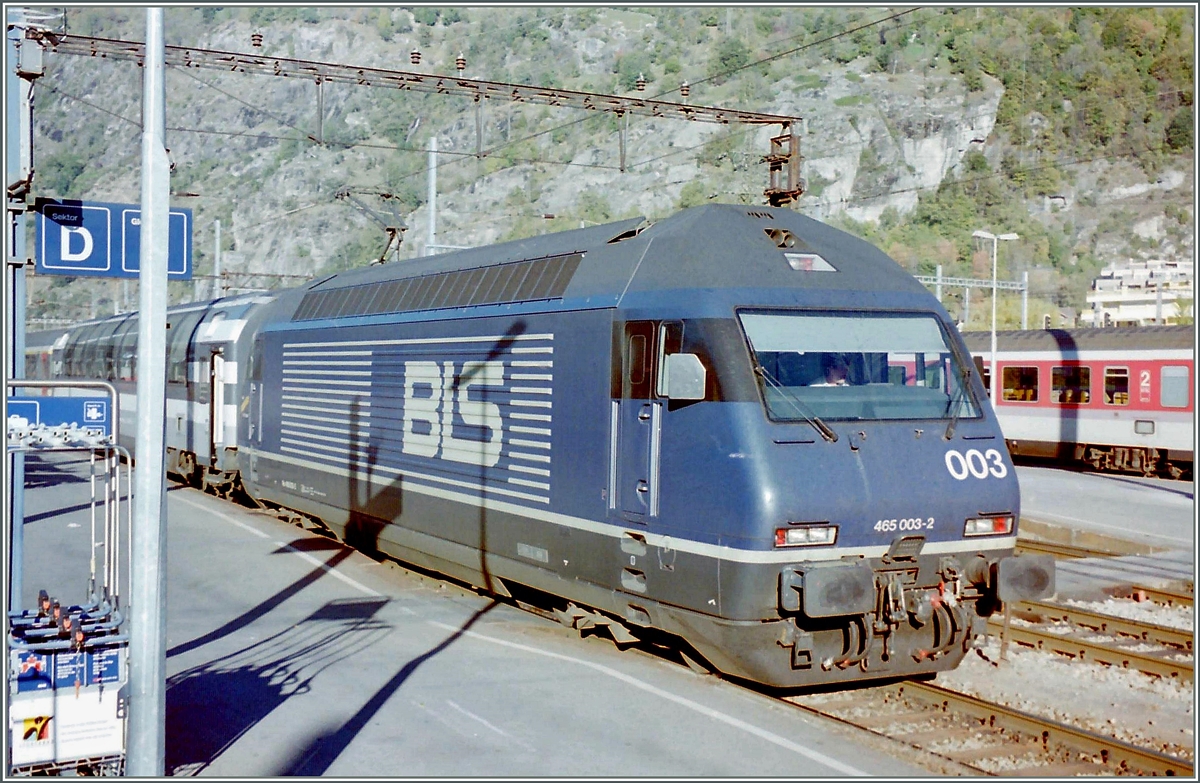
x,y
464,156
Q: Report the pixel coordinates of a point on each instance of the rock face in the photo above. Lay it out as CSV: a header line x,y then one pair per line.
x,y
251,151
896,135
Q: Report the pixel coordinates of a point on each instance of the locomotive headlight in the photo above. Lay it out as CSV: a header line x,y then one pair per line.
x,y
808,535
989,526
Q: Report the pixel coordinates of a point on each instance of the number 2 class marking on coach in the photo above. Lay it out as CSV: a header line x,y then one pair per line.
x,y
976,463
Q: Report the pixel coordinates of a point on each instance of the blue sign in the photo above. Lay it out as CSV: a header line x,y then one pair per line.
x,y
105,665
70,669
90,412
96,239
33,670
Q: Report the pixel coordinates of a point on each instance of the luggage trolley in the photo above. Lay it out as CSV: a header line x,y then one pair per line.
x,y
68,675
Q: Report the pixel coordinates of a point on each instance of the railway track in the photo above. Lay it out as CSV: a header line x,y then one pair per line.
x,y
1162,595
1163,635
1128,644
985,737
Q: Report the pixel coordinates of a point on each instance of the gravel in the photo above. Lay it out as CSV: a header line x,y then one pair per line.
x,y
1148,711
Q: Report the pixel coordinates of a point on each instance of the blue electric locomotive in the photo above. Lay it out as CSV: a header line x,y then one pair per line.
x,y
636,418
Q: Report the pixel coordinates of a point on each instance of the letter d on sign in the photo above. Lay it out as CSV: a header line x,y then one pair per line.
x,y
65,236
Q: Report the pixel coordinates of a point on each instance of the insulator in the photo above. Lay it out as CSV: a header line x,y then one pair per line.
x,y
415,56
256,40
641,83
460,62
684,90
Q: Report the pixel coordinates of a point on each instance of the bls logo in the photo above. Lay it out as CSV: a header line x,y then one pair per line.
x,y
432,395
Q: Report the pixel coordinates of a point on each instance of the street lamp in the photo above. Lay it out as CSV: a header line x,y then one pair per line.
x,y
992,380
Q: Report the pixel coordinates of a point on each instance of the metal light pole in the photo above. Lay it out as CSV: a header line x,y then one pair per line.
x,y
993,382
148,632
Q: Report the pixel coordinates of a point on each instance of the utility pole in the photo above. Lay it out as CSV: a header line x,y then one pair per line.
x,y
994,384
431,196
217,292
1025,300
148,630
23,65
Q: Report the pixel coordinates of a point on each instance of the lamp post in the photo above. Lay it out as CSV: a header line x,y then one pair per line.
x,y
992,380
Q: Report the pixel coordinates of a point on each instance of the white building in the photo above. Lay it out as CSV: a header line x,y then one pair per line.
x,y
1139,293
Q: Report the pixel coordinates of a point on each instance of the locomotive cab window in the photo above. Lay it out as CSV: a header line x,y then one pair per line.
x,y
1116,385
1071,385
856,366
670,340
1019,384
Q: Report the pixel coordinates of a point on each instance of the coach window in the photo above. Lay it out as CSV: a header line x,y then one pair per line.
x,y
183,326
1070,385
127,350
1020,384
1173,387
1116,385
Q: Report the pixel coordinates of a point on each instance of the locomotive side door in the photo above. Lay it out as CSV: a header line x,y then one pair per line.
x,y
252,410
637,423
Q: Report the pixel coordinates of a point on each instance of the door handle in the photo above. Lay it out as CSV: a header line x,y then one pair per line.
x,y
644,414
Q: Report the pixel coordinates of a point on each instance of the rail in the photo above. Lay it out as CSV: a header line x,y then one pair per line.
x,y
1161,595
1110,749
1084,650
1061,551
1030,740
1106,623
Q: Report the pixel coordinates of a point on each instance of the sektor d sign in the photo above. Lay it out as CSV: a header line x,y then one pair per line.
x,y
99,239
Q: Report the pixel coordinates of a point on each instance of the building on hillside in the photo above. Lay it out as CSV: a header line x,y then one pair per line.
x,y
1139,293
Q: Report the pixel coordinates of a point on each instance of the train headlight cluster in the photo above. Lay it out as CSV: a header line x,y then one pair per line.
x,y
808,535
989,526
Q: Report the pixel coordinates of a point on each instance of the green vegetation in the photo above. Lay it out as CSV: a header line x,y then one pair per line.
x,y
1085,91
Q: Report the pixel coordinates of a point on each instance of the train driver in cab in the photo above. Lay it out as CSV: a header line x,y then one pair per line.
x,y
835,367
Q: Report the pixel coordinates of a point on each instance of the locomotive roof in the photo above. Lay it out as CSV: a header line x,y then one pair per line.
x,y
1094,339
711,246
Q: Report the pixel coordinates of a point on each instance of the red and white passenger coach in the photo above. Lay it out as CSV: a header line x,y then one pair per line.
x,y
1116,399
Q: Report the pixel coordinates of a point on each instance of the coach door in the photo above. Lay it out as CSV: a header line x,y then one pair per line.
x,y
637,427
216,413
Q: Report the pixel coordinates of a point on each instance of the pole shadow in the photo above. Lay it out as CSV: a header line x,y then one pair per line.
x,y
314,544
316,758
211,706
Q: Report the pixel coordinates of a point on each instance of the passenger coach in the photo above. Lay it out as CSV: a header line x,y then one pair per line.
x,y
1115,399
205,347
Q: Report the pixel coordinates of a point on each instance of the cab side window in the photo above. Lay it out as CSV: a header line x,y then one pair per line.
x,y
636,355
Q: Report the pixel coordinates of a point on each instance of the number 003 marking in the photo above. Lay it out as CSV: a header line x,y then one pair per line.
x,y
975,463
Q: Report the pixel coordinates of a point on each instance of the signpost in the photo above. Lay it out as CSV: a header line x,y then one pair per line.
x,y
100,239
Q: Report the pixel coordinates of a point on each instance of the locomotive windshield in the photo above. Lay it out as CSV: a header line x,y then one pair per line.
x,y
856,366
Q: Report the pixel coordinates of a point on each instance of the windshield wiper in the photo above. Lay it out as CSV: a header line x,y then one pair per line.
x,y
798,406
958,402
